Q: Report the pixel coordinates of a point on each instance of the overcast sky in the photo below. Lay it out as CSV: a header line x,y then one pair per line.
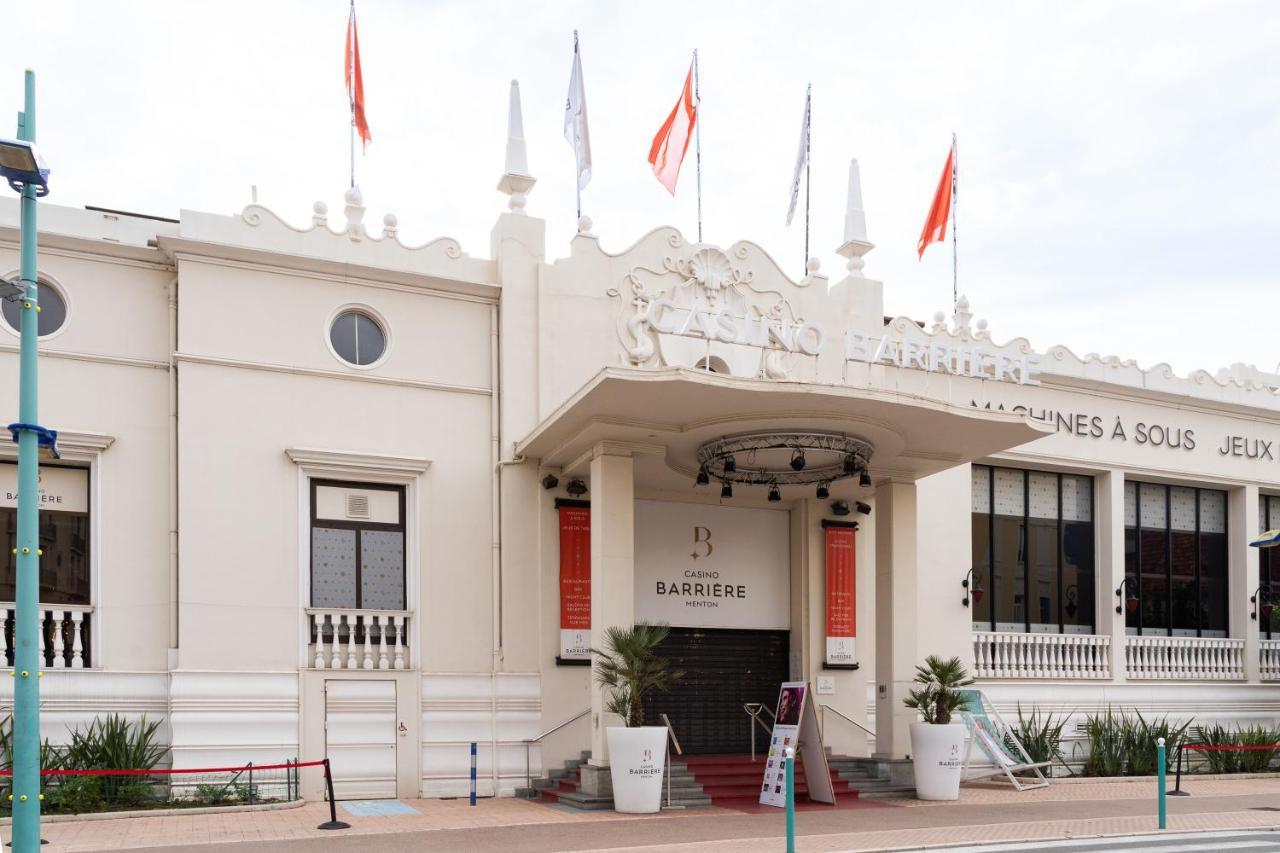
x,y
1119,181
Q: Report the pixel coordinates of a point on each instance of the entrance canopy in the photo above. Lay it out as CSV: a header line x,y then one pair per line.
x,y
672,412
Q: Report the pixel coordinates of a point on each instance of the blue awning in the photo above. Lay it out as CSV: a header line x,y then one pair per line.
x,y
1270,539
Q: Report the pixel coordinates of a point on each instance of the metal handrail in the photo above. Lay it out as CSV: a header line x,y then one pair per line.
x,y
842,716
754,710
528,772
672,731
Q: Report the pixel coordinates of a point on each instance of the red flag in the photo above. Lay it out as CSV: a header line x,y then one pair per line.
x,y
355,80
935,225
669,146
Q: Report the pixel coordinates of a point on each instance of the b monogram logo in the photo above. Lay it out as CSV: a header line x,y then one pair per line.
x,y
701,536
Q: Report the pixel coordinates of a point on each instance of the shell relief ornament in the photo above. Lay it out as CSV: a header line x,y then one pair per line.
x,y
703,312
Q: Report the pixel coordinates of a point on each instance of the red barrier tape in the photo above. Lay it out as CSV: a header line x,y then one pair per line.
x,y
1207,748
168,772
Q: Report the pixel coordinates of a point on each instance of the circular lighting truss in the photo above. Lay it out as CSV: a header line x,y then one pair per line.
x,y
784,458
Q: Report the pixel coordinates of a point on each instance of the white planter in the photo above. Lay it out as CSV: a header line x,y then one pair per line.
x,y
637,758
937,753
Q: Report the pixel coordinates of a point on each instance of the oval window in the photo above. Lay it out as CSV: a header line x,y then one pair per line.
x,y
53,310
357,338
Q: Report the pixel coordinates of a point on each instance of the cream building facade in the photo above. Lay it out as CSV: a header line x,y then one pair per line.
x,y
314,486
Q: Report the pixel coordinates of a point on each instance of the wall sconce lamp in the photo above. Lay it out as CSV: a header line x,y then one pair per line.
x,y
576,488
975,592
1130,602
1262,596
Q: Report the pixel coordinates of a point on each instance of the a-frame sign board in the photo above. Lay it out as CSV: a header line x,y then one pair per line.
x,y
796,727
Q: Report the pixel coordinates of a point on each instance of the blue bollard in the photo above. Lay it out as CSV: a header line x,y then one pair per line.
x,y
473,773
1160,797
789,758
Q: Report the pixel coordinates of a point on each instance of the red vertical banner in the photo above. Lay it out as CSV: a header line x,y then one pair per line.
x,y
842,591
575,579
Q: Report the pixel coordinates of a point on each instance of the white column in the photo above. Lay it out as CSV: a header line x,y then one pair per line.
x,y
897,587
1109,550
1242,573
612,567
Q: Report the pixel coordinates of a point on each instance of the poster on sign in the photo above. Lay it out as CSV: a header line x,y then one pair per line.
x,y
575,579
842,596
796,727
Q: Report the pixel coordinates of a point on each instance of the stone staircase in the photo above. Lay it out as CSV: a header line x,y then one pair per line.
x,y
732,781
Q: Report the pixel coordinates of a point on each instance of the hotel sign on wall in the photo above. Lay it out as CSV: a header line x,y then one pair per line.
x,y
700,566
61,489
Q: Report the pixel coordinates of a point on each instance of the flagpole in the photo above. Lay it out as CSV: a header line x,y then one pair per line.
x,y
955,197
697,132
808,165
577,177
351,90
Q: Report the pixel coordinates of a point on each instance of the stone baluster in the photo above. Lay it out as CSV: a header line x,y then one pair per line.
x,y
367,622
318,622
77,640
383,663
40,633
350,620
335,649
59,642
399,625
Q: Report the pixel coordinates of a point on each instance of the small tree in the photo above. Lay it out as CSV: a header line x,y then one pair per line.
x,y
936,699
631,670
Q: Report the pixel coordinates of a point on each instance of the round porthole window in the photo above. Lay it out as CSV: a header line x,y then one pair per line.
x,y
357,338
52,314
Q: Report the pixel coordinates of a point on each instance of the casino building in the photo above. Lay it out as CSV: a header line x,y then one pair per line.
x,y
323,492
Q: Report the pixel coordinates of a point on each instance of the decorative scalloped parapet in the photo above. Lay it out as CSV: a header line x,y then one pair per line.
x,y
259,228
1240,384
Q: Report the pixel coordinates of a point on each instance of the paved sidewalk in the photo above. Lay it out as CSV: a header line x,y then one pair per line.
x,y
984,814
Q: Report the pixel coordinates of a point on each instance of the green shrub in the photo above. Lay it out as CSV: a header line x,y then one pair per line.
x,y
1106,745
1140,738
1041,736
1243,761
76,794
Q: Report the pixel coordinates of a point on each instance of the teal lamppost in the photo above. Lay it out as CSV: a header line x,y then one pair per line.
x,y
20,165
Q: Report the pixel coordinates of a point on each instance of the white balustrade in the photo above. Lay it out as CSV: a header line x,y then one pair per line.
x,y
358,639
1269,659
63,636
1200,658
998,654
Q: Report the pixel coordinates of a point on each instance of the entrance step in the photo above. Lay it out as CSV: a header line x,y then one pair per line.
x,y
729,781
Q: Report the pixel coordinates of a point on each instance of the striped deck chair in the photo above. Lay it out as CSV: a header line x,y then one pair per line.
x,y
993,748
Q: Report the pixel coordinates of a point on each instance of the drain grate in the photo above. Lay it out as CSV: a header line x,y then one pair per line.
x,y
1264,808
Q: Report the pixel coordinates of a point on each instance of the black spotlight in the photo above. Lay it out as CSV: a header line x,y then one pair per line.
x,y
864,479
726,490
703,479
823,491
577,488
850,465
797,460
865,509
549,482
730,464
774,494
839,507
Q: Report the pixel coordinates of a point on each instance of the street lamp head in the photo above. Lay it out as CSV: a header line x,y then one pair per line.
x,y
21,166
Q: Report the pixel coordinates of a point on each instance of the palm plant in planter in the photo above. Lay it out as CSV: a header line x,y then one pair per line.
x,y
937,743
630,670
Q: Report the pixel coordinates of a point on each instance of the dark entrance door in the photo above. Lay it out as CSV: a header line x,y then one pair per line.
x,y
724,668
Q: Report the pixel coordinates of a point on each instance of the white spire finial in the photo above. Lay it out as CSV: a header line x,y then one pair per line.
x,y
855,243
516,182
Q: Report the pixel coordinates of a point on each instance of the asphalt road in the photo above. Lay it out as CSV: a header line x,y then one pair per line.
x,y
1265,841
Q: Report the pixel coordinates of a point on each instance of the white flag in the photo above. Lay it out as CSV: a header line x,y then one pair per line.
x,y
802,159
575,119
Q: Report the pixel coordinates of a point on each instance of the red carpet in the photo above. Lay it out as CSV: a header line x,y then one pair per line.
x,y
733,782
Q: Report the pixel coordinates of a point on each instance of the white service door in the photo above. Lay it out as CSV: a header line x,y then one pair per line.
x,y
360,737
